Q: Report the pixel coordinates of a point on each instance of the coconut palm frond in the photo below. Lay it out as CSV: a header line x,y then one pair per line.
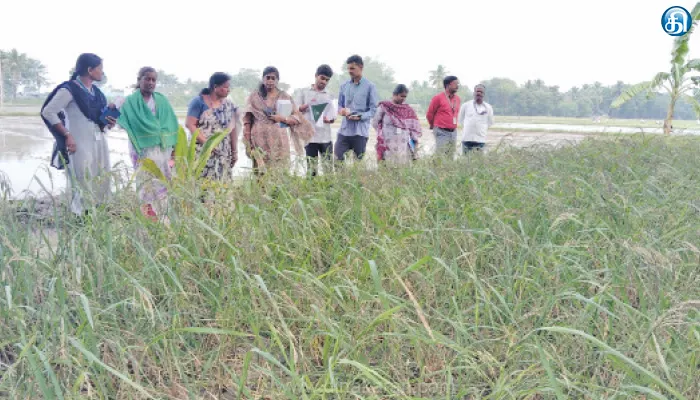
x,y
693,65
680,45
643,87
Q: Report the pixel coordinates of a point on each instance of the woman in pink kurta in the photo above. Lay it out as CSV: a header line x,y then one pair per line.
x,y
266,140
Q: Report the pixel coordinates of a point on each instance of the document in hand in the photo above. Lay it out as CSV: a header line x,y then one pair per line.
x,y
284,108
317,111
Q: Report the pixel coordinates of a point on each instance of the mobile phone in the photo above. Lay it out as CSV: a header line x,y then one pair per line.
x,y
109,112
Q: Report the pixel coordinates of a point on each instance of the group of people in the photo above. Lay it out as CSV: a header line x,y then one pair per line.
x,y
76,113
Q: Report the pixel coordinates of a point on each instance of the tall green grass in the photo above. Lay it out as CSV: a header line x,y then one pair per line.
x,y
517,274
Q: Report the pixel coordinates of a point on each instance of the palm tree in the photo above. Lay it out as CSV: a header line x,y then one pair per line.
x,y
575,91
21,70
676,82
15,63
36,73
437,76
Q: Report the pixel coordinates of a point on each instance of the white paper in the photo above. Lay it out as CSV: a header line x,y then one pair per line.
x,y
320,122
324,114
284,108
332,113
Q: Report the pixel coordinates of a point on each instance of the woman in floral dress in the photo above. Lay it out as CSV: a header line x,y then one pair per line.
x,y
212,112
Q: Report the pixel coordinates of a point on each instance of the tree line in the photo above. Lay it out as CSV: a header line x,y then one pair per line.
x,y
19,71
532,98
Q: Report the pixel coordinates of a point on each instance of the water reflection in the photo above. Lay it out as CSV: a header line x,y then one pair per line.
x,y
27,145
26,150
589,128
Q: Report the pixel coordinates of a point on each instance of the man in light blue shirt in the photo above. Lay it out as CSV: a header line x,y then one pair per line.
x,y
357,102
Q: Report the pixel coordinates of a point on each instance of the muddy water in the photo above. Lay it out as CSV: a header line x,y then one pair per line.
x,y
26,145
25,150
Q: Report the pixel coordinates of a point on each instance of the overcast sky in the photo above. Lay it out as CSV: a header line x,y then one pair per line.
x,y
564,43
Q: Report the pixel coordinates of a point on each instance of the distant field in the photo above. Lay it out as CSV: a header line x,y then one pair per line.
x,y
33,110
637,122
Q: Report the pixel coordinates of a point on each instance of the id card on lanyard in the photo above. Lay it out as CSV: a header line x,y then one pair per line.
x,y
91,93
452,106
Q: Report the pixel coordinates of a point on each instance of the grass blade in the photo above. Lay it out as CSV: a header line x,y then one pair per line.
x,y
628,361
79,346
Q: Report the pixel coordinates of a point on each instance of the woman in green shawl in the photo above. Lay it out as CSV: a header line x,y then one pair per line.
x,y
150,121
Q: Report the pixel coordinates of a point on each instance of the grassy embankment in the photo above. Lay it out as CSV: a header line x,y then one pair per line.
x,y
572,273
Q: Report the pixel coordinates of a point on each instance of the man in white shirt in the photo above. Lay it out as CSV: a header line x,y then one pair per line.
x,y
312,98
475,116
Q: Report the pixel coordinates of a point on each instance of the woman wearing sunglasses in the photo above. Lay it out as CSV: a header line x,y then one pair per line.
x,y
476,116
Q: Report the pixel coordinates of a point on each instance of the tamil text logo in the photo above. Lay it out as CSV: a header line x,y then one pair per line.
x,y
676,21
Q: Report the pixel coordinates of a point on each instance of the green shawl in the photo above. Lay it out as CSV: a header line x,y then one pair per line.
x,y
145,129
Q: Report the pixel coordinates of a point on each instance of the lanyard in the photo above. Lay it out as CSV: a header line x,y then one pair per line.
x,y
90,92
452,103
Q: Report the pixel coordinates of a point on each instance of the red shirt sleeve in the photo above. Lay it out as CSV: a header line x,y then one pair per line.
x,y
430,115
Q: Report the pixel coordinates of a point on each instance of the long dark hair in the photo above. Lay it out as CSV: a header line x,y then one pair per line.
x,y
217,79
266,71
84,63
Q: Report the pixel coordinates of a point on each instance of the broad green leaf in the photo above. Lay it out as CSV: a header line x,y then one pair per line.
x,y
86,307
192,154
150,167
207,149
659,79
693,65
181,152
639,88
680,44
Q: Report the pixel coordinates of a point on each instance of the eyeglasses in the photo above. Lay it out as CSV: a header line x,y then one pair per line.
x,y
270,78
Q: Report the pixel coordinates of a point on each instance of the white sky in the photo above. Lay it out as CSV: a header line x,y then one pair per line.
x,y
562,42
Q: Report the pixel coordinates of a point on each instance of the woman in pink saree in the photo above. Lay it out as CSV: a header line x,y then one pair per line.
x,y
398,129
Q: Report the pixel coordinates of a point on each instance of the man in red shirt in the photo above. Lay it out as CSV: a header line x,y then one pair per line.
x,y
442,116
